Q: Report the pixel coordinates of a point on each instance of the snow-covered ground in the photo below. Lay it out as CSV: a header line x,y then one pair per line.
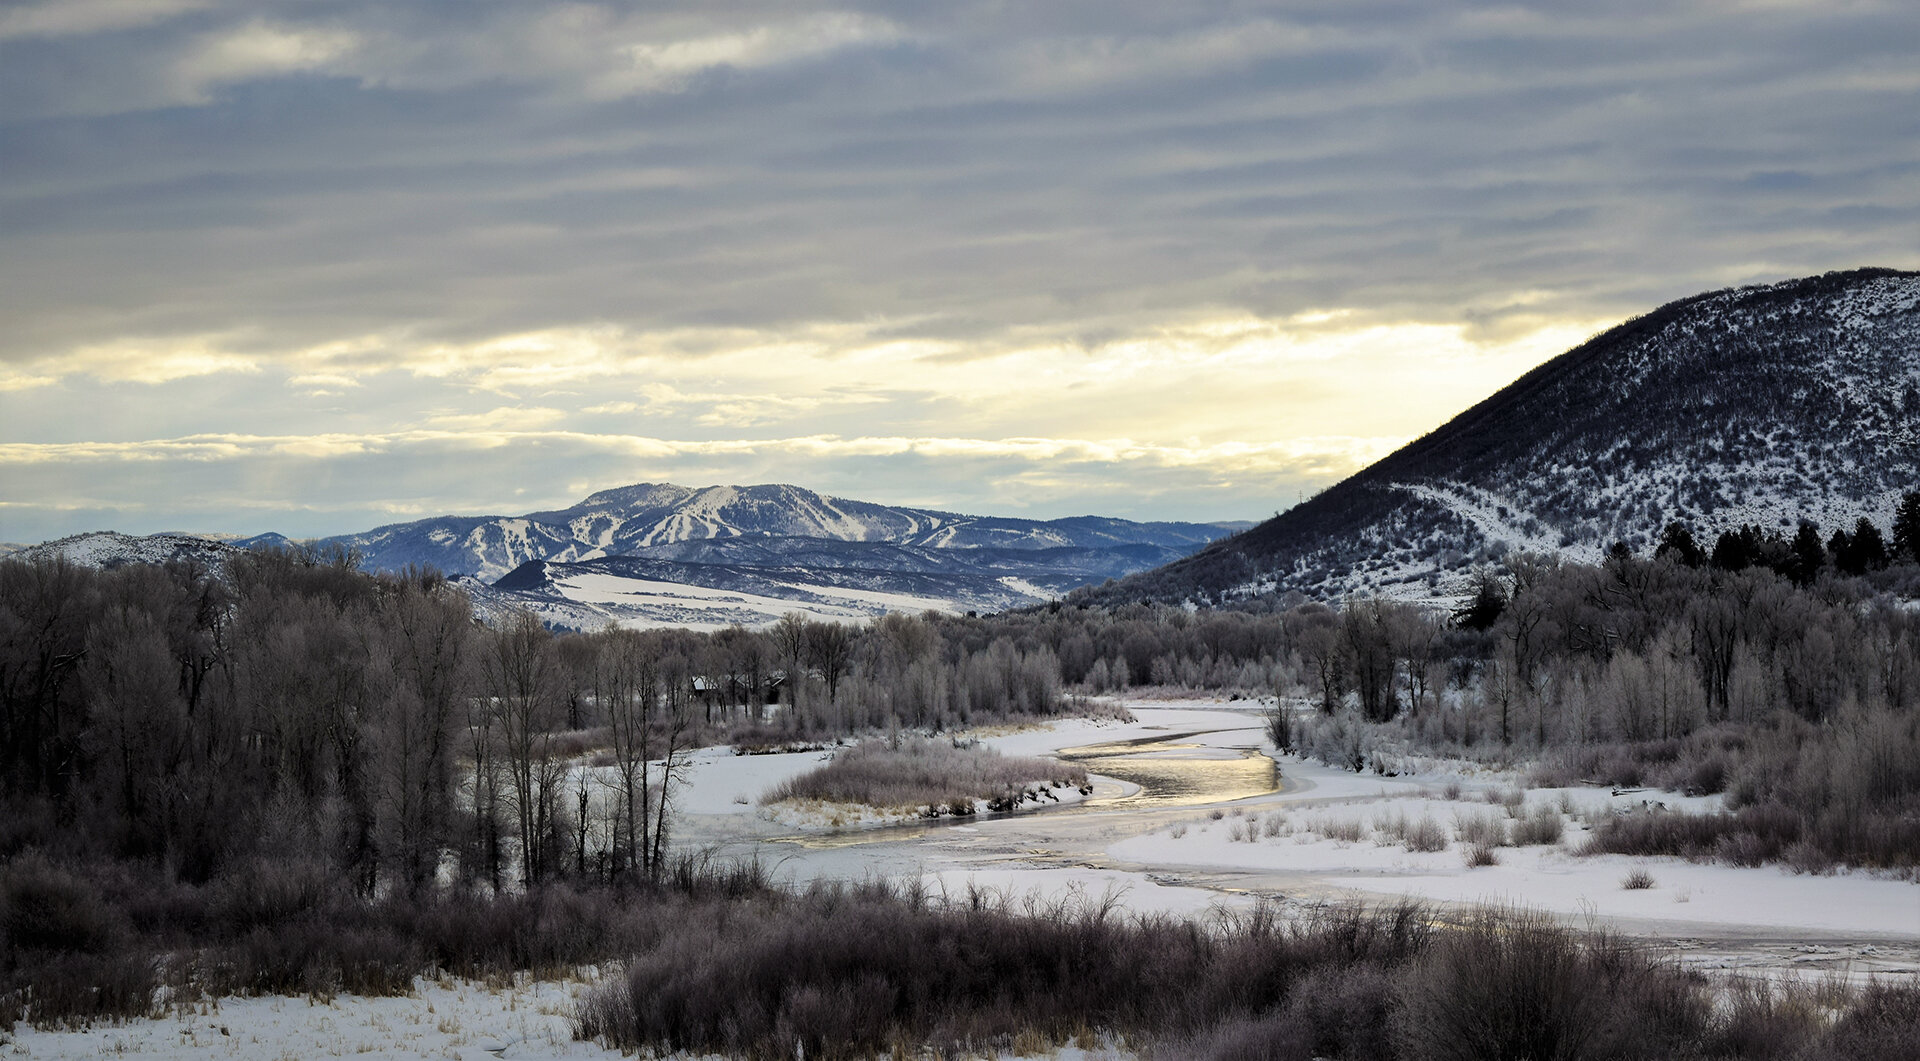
x,y
1544,877
463,1020
443,1020
1121,848
640,603
1167,857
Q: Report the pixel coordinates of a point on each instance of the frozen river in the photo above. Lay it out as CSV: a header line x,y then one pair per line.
x,y
1191,812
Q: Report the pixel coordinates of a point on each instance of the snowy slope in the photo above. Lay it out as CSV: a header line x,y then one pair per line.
x,y
753,581
631,520
1756,405
111,549
657,555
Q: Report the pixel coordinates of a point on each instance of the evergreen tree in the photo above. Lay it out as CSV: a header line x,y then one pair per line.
x,y
1869,548
1677,544
1489,600
1735,549
1809,556
1840,548
1906,528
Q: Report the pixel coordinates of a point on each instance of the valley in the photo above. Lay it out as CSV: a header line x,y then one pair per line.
x,y
1617,670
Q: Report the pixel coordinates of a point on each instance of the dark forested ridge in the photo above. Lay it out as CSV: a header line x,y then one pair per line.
x,y
1758,405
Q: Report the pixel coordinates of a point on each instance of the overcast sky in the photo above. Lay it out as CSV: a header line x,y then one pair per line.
x,y
313,267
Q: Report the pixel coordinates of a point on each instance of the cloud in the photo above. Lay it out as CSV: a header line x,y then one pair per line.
x,y
62,18
258,49
669,65
502,418
130,360
351,481
1186,225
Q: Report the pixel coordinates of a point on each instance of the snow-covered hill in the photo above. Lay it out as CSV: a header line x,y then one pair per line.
x,y
1761,405
630,520
111,549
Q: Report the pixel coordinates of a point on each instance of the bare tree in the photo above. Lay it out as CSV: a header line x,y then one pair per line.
x,y
675,728
628,687
830,650
425,637
521,682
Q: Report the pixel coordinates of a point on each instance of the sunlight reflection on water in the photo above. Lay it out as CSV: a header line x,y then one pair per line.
x,y
1172,772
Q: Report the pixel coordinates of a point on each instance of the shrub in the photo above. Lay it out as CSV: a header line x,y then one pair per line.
x,y
1882,1025
1480,830
45,907
1511,798
1637,880
1803,856
1520,986
929,774
857,970
1332,828
1425,834
1746,837
1764,1019
76,989
1543,825
1480,854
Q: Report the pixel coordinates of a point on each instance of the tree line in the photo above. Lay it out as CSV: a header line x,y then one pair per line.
x,y
291,707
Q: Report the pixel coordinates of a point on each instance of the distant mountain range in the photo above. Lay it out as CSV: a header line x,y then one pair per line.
x,y
1761,405
634,520
659,554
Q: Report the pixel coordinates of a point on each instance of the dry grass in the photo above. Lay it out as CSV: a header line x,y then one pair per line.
x,y
1350,830
1416,834
930,775
1480,830
1544,825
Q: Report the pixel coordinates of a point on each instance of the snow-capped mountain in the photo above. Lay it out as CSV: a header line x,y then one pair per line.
x,y
630,520
660,555
1764,405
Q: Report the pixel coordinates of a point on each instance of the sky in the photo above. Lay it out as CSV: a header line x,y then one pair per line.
x,y
318,266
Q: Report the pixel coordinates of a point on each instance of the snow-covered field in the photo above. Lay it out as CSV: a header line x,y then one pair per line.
x,y
461,1020
640,603
1544,877
1180,858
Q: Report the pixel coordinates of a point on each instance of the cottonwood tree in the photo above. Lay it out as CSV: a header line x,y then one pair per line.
x,y
523,684
672,735
1367,636
830,648
425,642
627,686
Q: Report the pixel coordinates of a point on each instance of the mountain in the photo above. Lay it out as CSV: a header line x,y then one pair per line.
x,y
629,520
754,580
1761,405
664,555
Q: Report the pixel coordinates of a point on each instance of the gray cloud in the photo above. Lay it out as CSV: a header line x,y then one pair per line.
x,y
251,181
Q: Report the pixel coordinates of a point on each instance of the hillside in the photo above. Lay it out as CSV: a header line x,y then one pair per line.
x,y
754,580
1759,405
107,550
631,520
